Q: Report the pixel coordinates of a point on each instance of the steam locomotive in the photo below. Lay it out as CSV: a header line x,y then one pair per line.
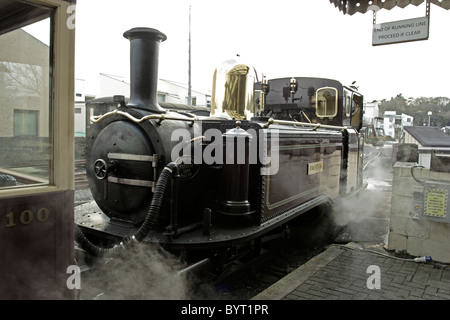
x,y
268,152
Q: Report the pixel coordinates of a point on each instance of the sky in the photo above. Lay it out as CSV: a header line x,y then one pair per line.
x,y
283,38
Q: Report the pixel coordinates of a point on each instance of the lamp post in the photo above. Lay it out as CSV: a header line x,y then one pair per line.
x,y
429,117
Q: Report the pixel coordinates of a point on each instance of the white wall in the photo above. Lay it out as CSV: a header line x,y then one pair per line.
x,y
111,86
409,232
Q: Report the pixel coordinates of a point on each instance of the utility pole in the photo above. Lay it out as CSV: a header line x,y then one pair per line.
x,y
189,98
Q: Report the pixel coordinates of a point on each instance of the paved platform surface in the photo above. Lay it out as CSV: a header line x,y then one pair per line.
x,y
357,272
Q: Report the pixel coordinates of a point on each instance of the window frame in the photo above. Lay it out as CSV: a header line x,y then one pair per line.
x,y
61,102
336,97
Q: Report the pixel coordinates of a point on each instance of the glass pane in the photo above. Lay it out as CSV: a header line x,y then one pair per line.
x,y
326,102
348,104
25,134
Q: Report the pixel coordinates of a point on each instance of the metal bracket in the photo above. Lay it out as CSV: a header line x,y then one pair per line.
x,y
153,159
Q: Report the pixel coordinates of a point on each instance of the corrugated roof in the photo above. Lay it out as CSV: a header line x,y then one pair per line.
x,y
352,6
429,136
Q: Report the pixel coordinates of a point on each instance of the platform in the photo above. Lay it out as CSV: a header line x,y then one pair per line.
x,y
357,272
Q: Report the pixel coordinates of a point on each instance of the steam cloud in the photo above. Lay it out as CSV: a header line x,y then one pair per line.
x,y
143,272
364,217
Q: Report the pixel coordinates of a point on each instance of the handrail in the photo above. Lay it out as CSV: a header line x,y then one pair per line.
x,y
160,117
297,123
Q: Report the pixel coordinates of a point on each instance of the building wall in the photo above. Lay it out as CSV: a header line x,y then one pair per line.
x,y
410,139
111,86
80,119
24,104
409,232
80,90
24,81
169,91
389,123
371,110
406,120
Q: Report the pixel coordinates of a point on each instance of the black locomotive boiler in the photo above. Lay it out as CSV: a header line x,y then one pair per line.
x,y
269,152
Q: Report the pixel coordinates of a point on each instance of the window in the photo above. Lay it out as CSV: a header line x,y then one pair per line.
x,y
348,104
326,102
26,123
26,141
161,97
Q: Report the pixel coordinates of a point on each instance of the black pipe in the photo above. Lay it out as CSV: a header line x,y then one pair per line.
x,y
151,219
144,54
149,223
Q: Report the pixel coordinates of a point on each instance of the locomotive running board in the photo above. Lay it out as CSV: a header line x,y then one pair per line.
x,y
220,236
226,236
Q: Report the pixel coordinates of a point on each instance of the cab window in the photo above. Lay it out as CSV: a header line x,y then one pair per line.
x,y
326,102
357,103
348,103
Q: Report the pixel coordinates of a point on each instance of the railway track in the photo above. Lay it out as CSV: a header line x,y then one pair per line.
x,y
80,175
81,181
245,279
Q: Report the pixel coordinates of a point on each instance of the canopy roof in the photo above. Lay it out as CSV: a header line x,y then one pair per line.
x,y
352,6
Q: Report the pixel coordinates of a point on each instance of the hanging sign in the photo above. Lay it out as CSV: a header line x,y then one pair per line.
x,y
400,31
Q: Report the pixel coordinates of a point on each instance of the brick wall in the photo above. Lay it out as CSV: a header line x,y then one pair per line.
x,y
412,233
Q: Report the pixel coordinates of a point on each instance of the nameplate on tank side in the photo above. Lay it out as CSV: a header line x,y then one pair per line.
x,y
315,167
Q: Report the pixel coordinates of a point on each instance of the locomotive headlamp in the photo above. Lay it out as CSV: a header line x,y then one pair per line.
x,y
293,86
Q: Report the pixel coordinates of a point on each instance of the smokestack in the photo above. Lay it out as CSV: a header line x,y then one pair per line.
x,y
144,54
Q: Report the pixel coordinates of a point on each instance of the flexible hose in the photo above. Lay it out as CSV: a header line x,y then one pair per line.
x,y
149,223
153,213
90,247
412,175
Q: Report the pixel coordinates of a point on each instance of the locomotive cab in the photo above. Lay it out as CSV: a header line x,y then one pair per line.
x,y
312,100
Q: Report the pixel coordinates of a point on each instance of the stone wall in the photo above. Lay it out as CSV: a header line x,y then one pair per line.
x,y
410,232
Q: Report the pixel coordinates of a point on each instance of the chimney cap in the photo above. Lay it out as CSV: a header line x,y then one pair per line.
x,y
147,33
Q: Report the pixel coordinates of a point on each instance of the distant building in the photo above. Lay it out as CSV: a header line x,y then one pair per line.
x,y
175,92
389,123
394,124
406,121
431,142
371,112
80,108
110,85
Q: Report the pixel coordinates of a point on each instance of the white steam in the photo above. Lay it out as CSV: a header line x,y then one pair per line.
x,y
365,216
140,273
